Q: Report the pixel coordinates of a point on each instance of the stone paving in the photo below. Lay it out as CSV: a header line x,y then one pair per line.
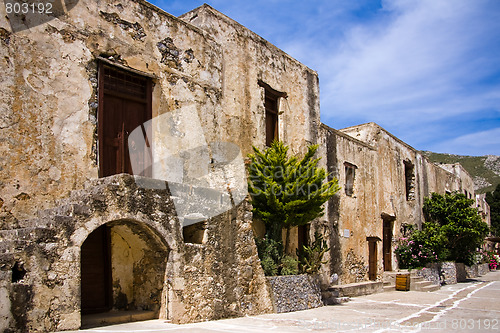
x,y
472,306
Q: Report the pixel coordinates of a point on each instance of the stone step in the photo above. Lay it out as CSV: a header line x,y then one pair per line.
x,y
415,279
431,287
418,286
357,289
389,287
331,298
417,283
116,317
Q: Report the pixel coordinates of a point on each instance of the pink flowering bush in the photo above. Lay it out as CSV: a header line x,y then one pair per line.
x,y
412,254
494,260
420,247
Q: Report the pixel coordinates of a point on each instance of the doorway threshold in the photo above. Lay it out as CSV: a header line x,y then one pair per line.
x,y
116,317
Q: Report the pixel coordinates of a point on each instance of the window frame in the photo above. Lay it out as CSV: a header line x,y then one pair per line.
x,y
350,178
272,100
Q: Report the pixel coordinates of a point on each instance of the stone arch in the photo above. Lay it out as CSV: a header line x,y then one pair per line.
x,y
130,275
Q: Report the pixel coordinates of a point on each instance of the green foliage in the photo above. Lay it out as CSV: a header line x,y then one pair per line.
x,y
457,226
272,260
285,191
289,266
421,247
453,231
493,199
310,258
270,254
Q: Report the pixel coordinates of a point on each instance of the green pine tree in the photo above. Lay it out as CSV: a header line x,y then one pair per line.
x,y
286,191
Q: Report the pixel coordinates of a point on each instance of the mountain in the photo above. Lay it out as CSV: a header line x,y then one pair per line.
x,y
485,170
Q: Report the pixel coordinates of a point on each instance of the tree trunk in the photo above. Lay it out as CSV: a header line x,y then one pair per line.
x,y
287,240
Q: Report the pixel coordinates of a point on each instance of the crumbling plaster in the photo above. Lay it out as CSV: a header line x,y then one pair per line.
x,y
44,121
247,59
51,198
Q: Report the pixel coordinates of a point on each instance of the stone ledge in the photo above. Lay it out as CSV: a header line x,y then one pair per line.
x,y
357,289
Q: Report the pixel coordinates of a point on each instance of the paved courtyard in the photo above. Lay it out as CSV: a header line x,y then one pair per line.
x,y
473,306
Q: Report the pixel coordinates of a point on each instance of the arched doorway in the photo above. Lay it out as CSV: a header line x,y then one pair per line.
x,y
122,273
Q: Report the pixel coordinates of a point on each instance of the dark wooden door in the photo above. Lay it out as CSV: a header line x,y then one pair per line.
x,y
124,105
387,247
372,260
96,272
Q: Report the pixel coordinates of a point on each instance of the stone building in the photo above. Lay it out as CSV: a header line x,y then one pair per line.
x,y
384,184
124,131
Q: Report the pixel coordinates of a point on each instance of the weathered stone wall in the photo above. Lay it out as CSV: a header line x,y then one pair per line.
x,y
379,191
431,273
248,59
466,181
49,249
48,132
449,273
295,292
394,199
354,217
223,276
152,267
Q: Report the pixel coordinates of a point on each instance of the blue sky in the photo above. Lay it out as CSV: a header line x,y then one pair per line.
x,y
427,71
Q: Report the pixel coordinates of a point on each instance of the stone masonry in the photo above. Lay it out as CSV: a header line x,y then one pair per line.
x,y
189,257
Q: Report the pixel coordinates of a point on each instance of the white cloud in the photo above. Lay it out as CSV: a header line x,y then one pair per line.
x,y
480,143
425,62
425,70
419,59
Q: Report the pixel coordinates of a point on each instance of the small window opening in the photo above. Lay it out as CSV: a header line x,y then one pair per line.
x,y
409,180
195,233
18,272
271,104
350,173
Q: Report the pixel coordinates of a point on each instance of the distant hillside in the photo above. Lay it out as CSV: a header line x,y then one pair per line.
x,y
485,170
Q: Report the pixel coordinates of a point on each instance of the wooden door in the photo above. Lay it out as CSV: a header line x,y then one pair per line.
x,y
372,260
96,272
124,105
387,245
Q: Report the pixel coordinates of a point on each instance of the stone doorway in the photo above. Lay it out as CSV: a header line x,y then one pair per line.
x,y
122,274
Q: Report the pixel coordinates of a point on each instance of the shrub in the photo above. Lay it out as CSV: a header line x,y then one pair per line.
x,y
310,258
289,266
270,253
494,260
412,253
272,260
457,224
287,191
